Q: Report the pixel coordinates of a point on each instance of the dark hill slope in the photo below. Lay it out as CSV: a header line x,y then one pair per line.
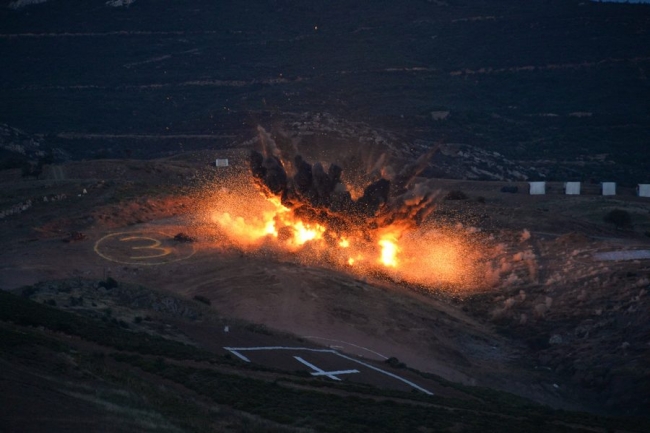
x,y
558,81
70,372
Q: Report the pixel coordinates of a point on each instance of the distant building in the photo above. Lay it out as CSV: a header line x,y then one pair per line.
x,y
572,188
221,163
537,188
643,190
608,188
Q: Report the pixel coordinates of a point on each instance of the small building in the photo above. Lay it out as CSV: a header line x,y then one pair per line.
x,y
608,188
572,188
643,190
221,163
537,188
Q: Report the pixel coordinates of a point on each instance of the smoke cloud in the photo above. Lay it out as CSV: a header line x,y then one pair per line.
x,y
318,194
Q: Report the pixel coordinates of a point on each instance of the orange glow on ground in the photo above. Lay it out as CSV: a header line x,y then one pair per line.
x,y
429,256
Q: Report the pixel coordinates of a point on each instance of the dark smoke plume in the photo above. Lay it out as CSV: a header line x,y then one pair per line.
x,y
319,195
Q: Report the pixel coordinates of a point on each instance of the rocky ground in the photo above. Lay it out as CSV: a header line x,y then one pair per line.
x,y
555,324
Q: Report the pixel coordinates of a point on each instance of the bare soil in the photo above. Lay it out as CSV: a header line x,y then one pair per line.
x,y
498,338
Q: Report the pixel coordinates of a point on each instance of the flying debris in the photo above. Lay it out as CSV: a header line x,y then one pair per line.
x,y
311,191
377,221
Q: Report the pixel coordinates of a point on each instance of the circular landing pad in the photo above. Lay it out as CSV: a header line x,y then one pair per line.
x,y
145,247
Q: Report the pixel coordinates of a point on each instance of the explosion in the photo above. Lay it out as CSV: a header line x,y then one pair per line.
x,y
388,252
285,204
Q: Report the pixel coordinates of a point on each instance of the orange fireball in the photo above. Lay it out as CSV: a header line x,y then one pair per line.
x,y
421,255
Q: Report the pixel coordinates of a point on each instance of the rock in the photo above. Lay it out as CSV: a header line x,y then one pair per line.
x,y
498,313
555,339
549,302
540,310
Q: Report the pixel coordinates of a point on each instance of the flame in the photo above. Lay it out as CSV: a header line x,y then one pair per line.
x,y
424,255
274,220
305,233
389,250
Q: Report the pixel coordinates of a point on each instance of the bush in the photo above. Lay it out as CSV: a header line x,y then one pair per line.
x,y
28,291
202,299
109,283
259,329
395,363
75,302
182,237
456,195
619,217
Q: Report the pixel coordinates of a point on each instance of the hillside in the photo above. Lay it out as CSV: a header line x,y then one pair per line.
x,y
558,85
87,366
365,257
555,324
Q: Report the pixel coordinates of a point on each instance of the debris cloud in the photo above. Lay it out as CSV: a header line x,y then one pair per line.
x,y
287,204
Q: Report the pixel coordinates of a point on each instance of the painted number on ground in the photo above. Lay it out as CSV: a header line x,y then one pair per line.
x,y
142,248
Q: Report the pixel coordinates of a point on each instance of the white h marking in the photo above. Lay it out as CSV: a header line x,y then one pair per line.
x,y
320,372
235,351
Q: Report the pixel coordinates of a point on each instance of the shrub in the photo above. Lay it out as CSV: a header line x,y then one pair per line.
x,y
619,217
28,291
395,363
456,195
259,329
74,302
182,237
109,283
202,299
